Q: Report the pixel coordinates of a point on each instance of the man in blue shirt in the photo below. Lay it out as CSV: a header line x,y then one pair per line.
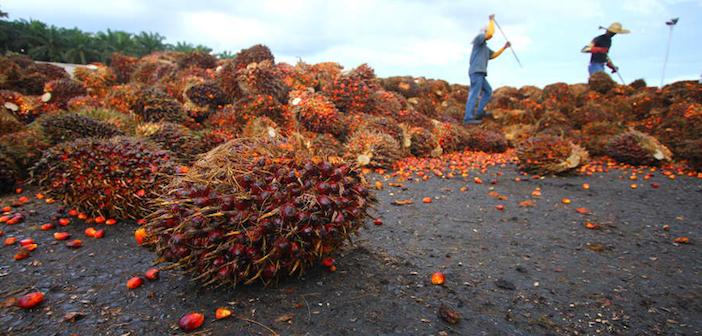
x,y
599,47
477,72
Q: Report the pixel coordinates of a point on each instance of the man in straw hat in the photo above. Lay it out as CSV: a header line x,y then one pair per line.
x,y
599,47
477,72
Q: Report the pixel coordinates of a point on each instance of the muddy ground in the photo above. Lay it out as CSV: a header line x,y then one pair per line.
x,y
523,270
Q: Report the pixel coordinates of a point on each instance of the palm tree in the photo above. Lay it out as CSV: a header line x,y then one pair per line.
x,y
81,48
149,42
226,55
44,44
115,42
182,47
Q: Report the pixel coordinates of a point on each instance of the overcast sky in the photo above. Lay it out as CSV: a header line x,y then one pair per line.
x,y
424,38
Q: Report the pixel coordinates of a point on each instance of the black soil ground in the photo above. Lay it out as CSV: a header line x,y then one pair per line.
x,y
523,270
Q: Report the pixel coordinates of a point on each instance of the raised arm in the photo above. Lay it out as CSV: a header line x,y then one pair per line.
x,y
491,28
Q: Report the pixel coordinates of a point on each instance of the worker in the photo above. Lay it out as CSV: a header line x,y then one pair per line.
x,y
477,72
599,47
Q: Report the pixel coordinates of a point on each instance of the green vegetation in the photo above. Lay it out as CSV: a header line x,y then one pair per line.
x,y
41,42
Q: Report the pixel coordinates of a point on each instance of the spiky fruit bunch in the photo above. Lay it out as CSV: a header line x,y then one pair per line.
x,y
173,137
198,59
153,104
324,145
51,71
684,91
96,77
70,126
450,136
202,99
315,113
83,103
32,84
478,139
692,152
24,148
257,211
8,172
638,149
325,73
260,127
423,143
504,97
299,77
352,92
387,103
125,122
593,112
249,107
548,154
638,84
212,138
123,98
594,136
406,86
254,54
601,82
10,73
413,118
19,105
59,92
643,102
122,66
386,125
113,177
151,71
370,148
8,122
263,78
516,133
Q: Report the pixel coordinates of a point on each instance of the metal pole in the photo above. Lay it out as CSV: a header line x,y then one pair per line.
x,y
670,23
512,49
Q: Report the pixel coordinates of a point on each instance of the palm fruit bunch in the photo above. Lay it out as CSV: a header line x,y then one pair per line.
x,y
413,118
638,84
478,139
96,77
553,119
425,106
601,82
372,148
152,70
83,103
8,171
387,103
252,210
8,122
263,78
548,154
123,67
153,105
423,143
505,97
24,147
254,54
202,99
455,108
532,107
388,126
593,111
58,128
643,102
450,136
36,75
324,145
558,95
59,92
226,76
252,106
10,73
692,152
198,59
683,91
113,177
20,106
180,140
211,138
406,86
316,113
325,73
595,135
260,127
637,149
516,133
123,121
352,92
123,98
299,77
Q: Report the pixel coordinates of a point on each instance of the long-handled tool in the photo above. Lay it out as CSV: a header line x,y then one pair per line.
x,y
670,23
617,71
512,49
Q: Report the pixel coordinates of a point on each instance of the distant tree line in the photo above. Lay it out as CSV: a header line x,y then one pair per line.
x,y
54,44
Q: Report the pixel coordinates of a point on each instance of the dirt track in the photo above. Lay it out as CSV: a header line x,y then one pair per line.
x,y
523,270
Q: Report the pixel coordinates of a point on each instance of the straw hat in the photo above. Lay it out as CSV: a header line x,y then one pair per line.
x,y
617,28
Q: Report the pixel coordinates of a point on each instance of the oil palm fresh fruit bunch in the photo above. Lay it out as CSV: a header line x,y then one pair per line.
x,y
9,123
123,98
113,177
549,154
413,118
58,92
59,128
180,140
386,125
154,104
82,103
324,145
637,148
423,143
21,106
478,139
24,147
198,59
595,135
123,67
352,92
8,172
203,99
10,74
406,86
249,107
450,136
316,113
96,77
372,148
263,78
254,54
260,127
256,211
388,103
601,82
299,77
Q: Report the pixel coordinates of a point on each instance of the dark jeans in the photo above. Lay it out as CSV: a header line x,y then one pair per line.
x,y
478,83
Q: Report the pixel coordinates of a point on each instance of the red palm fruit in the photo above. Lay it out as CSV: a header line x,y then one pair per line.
x,y
191,321
82,216
99,219
62,235
31,247
378,222
152,274
13,220
64,221
139,235
73,212
4,219
30,300
74,243
328,262
27,241
90,232
10,240
6,209
135,282
22,253
47,226
110,222
222,313
23,199
99,233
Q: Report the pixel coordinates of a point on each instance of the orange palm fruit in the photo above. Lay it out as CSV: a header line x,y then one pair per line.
x,y
191,321
99,233
222,313
139,235
90,232
152,274
30,300
76,243
437,278
62,235
135,282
